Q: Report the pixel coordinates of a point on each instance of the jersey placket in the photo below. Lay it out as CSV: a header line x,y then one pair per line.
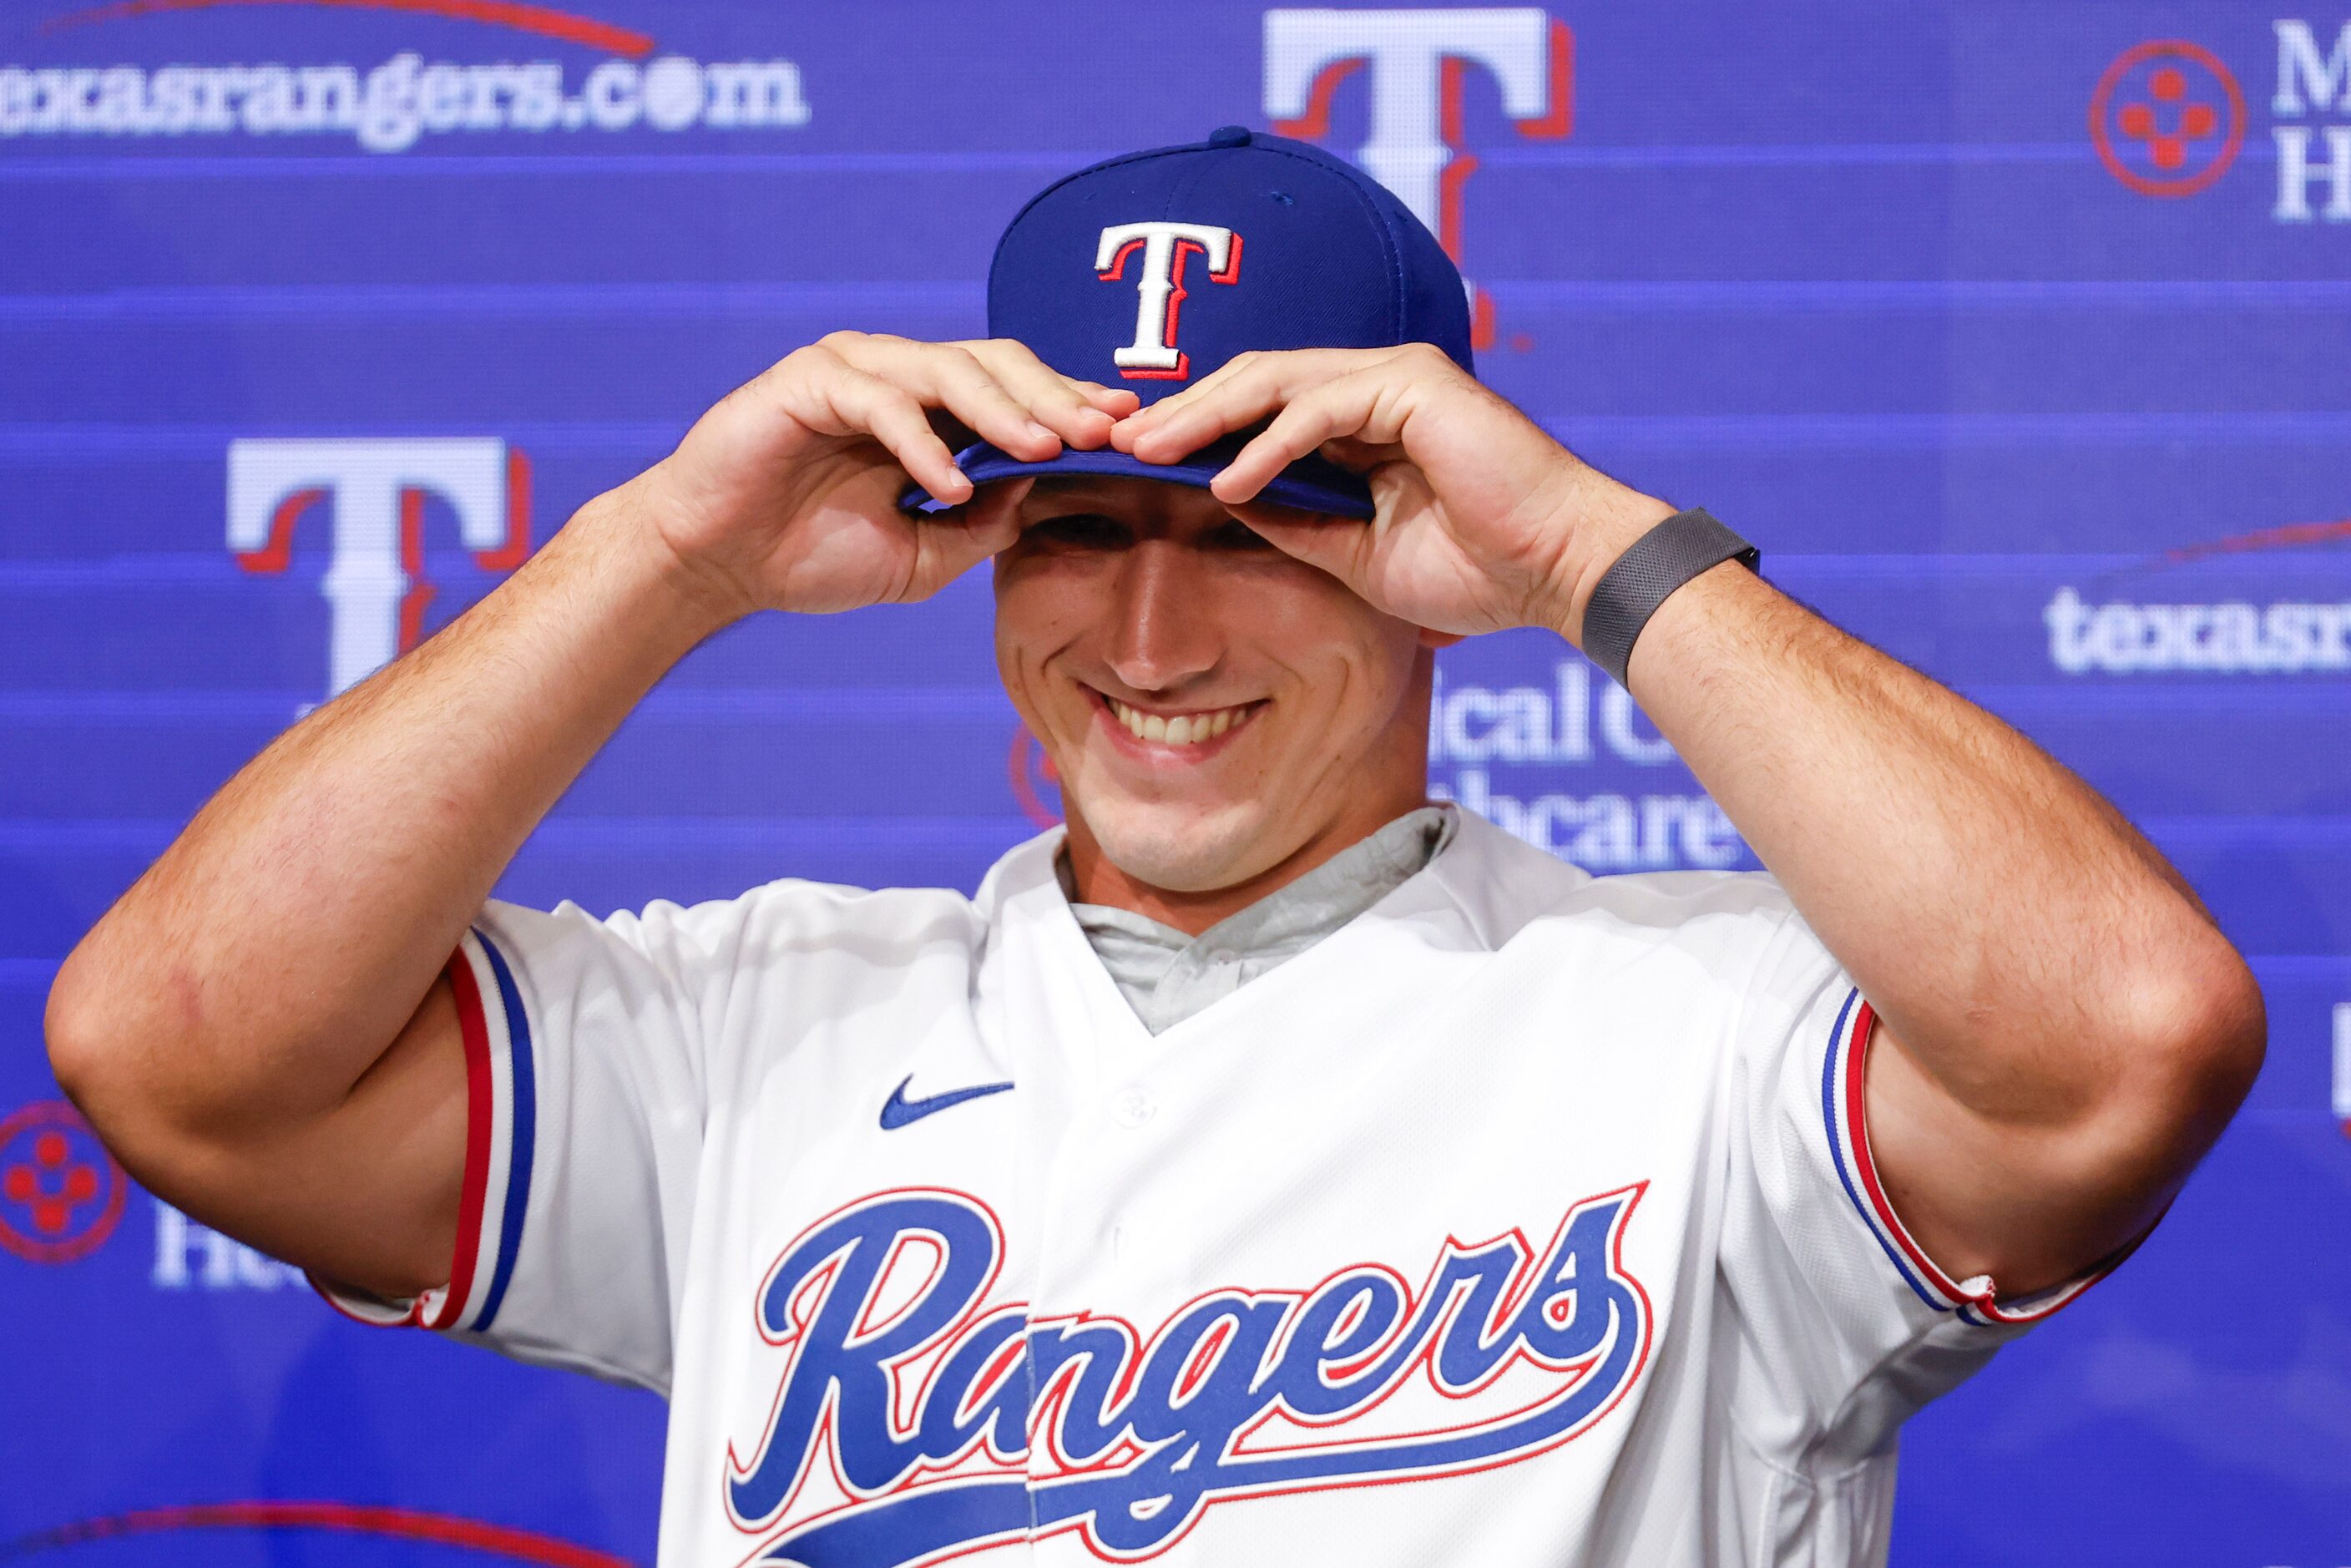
x,y
1108,1242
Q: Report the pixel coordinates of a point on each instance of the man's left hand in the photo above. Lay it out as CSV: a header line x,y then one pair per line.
x,y
1483,521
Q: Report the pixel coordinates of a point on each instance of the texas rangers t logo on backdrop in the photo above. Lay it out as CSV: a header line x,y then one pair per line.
x,y
1159,288
376,490
1417,61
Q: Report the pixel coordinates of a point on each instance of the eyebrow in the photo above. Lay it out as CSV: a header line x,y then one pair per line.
x,y
1068,490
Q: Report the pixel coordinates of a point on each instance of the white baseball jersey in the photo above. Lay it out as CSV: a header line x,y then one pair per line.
x,y
1528,1219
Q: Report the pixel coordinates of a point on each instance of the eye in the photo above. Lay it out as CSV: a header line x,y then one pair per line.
x,y
1079,530
1237,535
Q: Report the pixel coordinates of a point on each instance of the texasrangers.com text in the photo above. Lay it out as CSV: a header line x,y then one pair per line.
x,y
389,107
2122,638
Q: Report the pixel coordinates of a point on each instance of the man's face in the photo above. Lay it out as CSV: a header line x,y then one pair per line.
x,y
1212,706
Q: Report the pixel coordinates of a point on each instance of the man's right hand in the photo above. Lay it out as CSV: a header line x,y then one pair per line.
x,y
785,494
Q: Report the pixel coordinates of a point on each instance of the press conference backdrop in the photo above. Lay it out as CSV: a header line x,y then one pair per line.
x,y
2018,335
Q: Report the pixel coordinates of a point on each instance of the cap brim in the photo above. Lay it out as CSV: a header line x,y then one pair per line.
x,y
1310,484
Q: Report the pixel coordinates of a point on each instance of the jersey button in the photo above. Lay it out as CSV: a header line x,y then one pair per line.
x,y
1133,1107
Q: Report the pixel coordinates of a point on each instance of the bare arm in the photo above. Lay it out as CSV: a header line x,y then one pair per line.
x,y
245,1026
2066,1031
258,1028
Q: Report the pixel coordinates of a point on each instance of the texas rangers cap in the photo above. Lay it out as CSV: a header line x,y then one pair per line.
x,y
1151,270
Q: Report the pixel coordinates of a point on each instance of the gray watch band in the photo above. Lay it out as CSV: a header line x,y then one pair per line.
x,y
1645,576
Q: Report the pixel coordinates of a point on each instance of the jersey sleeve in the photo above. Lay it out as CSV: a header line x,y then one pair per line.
x,y
584,1084
1846,1325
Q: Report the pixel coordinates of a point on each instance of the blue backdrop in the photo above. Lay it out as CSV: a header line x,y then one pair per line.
x,y
2019,336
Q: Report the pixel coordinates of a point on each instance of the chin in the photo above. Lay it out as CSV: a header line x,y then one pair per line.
x,y
1186,851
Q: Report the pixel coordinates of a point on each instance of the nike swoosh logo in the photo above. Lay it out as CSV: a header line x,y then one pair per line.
x,y
897,1110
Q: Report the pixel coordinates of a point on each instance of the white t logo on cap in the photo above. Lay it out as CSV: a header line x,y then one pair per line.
x,y
1159,288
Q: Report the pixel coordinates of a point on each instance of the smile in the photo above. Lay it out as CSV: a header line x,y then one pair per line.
x,y
1182,728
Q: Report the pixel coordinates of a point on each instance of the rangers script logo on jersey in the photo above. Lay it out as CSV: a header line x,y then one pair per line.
x,y
917,1420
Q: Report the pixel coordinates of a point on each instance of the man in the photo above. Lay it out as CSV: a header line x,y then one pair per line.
x,y
1275,1169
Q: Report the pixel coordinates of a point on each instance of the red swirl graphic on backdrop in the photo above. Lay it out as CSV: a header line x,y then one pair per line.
x,y
344,1518
2286,536
543,20
1035,785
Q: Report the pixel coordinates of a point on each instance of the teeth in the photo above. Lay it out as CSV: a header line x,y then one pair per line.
x,y
1184,729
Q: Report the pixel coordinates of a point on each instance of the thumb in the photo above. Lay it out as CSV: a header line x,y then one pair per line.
x,y
1337,545
952,543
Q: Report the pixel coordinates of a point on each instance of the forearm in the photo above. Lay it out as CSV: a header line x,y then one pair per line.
x,y
2012,930
282,943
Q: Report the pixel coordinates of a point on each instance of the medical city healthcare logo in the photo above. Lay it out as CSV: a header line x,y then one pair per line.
x,y
1414,66
61,1194
2168,119
389,107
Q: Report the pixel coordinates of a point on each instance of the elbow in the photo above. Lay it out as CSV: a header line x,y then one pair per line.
x,y
111,1054
76,1033
2198,1037
116,1058
2157,1060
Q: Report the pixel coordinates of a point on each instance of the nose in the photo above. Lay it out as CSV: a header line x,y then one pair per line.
x,y
1164,634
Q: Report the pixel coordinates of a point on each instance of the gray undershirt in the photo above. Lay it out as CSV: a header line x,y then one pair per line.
x,y
1166,977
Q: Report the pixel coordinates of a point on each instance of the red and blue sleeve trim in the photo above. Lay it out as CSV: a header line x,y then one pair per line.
x,y
501,1123
1844,1107
519,1128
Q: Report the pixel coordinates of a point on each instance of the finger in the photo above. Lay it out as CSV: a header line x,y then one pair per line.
x,y
1174,408
861,403
1116,402
950,377
1329,413
1063,403
1210,411
992,518
1358,456
1240,392
948,546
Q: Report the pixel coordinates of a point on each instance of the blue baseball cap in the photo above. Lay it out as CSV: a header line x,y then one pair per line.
x,y
1151,270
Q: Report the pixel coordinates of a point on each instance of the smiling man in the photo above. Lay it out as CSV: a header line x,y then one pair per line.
x,y
1275,1169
